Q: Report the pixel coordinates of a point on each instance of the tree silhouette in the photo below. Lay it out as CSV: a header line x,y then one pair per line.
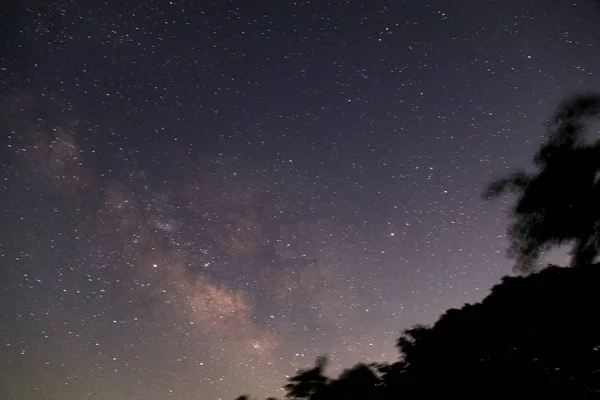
x,y
557,204
357,383
307,382
532,336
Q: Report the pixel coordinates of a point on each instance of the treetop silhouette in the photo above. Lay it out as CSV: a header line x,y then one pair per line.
x,y
533,336
558,204
307,382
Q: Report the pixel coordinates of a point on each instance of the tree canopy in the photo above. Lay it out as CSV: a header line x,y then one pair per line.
x,y
308,382
532,336
557,204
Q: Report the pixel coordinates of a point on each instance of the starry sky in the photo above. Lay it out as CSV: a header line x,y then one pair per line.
x,y
199,197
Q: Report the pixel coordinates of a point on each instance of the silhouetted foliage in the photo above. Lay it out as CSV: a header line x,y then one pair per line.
x,y
357,383
558,204
307,382
534,336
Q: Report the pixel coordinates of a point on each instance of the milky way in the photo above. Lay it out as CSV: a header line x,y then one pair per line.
x,y
197,198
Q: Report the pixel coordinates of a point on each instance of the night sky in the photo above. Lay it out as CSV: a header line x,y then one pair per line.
x,y
199,197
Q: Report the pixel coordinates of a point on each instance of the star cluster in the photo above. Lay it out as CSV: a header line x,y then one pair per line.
x,y
199,197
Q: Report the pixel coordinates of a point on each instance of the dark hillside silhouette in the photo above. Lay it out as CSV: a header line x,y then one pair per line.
x,y
558,204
